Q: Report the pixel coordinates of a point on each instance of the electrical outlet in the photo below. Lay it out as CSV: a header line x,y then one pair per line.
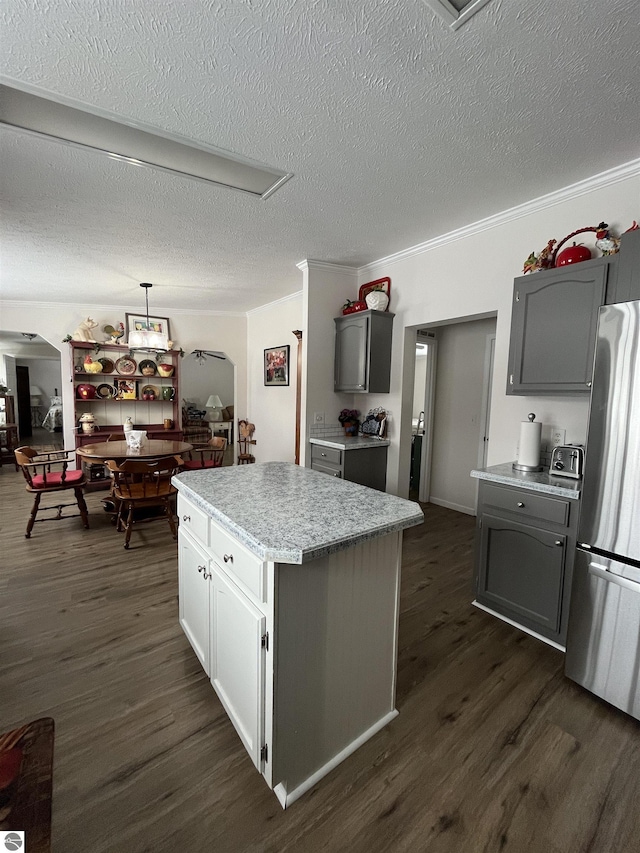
x,y
558,436
318,417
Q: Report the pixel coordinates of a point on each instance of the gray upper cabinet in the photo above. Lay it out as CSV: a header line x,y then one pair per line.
x,y
553,328
363,352
626,286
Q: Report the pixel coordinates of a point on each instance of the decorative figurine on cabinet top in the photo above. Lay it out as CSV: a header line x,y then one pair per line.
x,y
84,332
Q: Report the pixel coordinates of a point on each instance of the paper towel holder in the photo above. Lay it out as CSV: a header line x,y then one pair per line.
x,y
518,466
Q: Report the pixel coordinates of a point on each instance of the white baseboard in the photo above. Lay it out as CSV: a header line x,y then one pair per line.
x,y
520,627
467,510
286,798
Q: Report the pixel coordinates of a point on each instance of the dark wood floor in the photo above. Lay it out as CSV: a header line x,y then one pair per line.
x,y
493,750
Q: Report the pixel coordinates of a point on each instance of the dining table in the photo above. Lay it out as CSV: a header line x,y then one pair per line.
x,y
120,450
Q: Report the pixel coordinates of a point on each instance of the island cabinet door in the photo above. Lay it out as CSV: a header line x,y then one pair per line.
x,y
521,573
238,661
193,587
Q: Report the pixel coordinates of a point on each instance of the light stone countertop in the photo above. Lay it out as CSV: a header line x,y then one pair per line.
x,y
357,442
537,481
289,514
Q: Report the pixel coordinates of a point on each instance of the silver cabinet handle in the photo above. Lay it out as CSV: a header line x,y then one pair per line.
x,y
201,568
520,504
228,558
323,454
186,518
336,474
588,385
207,576
558,542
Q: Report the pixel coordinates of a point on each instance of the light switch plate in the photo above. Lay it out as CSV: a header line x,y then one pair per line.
x,y
318,417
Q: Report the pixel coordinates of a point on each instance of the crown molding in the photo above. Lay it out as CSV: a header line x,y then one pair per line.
x,y
604,179
131,309
324,266
298,294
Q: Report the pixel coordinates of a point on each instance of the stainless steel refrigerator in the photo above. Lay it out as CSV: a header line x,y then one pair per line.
x,y
603,640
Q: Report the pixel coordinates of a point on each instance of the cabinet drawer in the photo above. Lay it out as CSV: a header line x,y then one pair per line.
x,y
326,454
243,566
526,504
326,469
193,519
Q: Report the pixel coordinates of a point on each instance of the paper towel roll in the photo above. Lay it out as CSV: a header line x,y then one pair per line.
x,y
529,450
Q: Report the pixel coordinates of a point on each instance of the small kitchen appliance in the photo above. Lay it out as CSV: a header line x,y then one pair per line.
x,y
567,460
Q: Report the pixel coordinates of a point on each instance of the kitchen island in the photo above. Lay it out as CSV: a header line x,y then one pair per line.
x,y
289,585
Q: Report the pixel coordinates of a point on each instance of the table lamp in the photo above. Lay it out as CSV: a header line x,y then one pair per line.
x,y
215,403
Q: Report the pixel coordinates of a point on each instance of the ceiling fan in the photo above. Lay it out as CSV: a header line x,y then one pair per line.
x,y
202,354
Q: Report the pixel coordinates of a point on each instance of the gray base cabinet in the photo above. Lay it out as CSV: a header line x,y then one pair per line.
x,y
524,557
363,352
553,328
366,466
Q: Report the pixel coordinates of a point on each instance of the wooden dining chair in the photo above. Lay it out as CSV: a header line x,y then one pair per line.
x,y
209,455
139,487
47,473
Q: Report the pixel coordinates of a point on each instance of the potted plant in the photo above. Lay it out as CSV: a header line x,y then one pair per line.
x,y
350,420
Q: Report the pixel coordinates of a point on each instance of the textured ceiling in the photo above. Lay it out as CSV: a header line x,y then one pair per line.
x,y
397,129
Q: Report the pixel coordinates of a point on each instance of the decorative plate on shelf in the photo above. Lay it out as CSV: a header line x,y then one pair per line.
x,y
126,366
107,365
147,367
149,392
106,391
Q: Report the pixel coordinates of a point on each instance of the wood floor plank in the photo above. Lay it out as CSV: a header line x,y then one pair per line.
x,y
493,749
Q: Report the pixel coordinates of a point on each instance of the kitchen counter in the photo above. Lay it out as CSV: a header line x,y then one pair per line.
x,y
537,481
288,514
358,442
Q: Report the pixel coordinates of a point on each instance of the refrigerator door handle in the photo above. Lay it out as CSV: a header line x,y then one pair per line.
x,y
599,572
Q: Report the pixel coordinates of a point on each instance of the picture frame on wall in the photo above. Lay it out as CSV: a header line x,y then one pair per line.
x,y
276,366
138,322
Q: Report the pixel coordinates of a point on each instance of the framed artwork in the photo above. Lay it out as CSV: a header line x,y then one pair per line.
x,y
276,366
126,389
138,322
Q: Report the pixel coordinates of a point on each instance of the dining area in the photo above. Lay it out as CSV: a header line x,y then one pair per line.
x,y
134,481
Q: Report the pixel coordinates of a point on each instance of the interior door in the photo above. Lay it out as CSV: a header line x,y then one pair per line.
x,y
24,401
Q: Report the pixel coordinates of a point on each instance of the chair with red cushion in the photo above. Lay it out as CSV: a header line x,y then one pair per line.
x,y
142,486
210,455
46,473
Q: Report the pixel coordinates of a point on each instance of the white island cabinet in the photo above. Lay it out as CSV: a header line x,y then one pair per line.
x,y
289,585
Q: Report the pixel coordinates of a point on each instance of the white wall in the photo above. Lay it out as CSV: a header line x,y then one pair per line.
x,y
226,332
457,413
325,289
199,381
472,276
45,374
273,409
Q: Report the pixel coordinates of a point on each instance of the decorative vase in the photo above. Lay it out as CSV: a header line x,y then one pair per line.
x,y
127,426
351,427
377,300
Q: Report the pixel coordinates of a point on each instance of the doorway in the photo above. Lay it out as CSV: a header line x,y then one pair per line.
x,y
23,402
457,395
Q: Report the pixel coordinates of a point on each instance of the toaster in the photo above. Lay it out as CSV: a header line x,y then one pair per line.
x,y
567,460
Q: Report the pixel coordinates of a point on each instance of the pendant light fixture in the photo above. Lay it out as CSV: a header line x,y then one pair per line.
x,y
148,339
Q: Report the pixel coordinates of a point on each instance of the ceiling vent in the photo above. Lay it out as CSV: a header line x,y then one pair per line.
x,y
455,12
132,142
